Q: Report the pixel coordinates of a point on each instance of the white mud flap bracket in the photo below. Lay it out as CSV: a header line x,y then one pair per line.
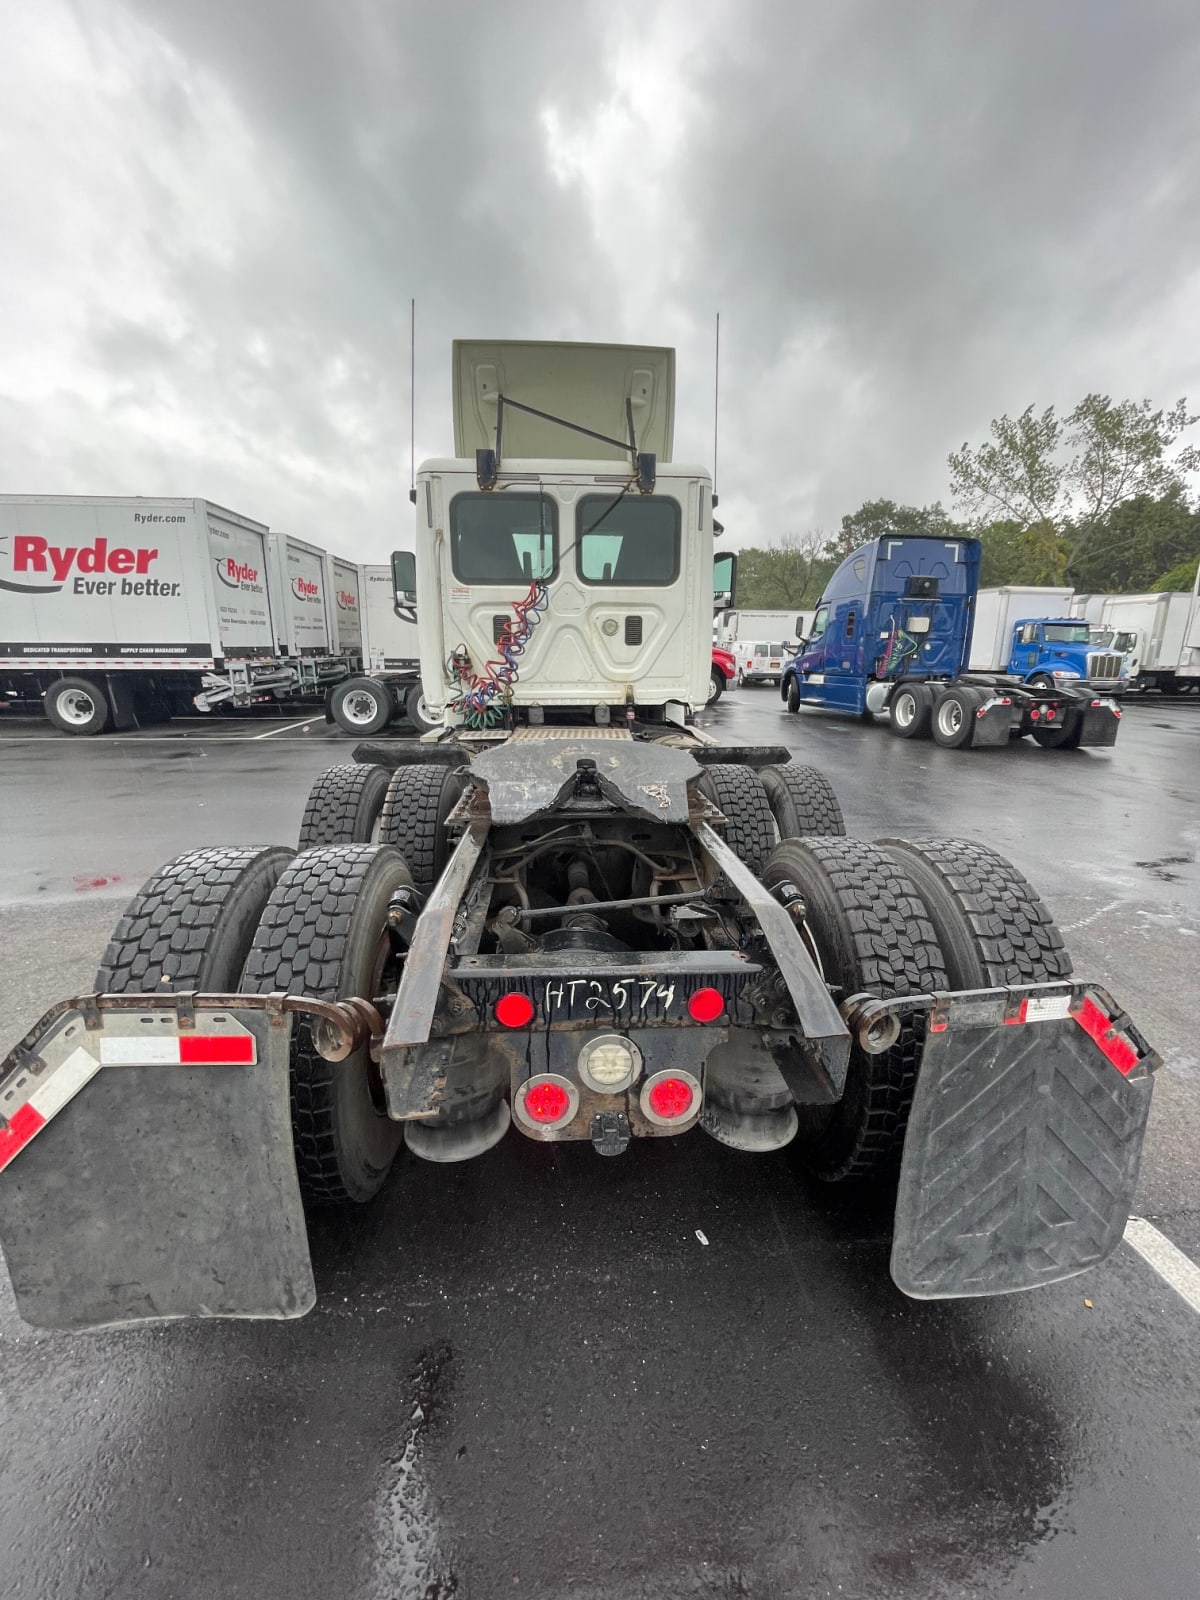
x,y
1024,1141
146,1164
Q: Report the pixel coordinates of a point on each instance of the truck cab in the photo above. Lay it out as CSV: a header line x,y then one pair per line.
x,y
547,584
894,607
1057,651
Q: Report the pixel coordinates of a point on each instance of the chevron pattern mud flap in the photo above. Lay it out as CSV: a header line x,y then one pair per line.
x,y
1023,1145
146,1166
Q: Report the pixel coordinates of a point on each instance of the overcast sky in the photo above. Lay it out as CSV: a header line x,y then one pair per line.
x,y
911,217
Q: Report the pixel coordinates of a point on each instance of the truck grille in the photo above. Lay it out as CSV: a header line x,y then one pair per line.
x,y
1105,668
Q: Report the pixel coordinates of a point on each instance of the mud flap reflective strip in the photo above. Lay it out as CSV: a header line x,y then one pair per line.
x,y
47,1099
1023,1146
187,1050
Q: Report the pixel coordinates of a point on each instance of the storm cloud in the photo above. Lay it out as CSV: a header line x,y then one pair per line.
x,y
910,219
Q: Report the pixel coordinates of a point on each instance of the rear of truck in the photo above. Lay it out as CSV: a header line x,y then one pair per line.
x,y
567,915
903,629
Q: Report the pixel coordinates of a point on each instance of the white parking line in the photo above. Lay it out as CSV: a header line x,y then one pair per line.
x,y
1169,1262
288,726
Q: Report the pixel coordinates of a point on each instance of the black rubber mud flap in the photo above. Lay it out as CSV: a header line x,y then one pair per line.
x,y
1023,1144
138,1193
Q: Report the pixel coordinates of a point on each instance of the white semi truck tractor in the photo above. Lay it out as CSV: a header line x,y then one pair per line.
x,y
566,914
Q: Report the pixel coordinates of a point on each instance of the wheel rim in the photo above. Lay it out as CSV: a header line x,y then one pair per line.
x,y
906,710
950,717
360,708
76,706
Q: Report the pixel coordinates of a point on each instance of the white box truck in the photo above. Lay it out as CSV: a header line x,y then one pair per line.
x,y
386,688
1163,658
116,611
788,626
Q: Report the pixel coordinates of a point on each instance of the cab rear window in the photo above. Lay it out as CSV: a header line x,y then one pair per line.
x,y
503,538
632,541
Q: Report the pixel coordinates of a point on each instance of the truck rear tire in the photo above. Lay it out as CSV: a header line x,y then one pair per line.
x,y
324,933
77,705
415,808
343,806
910,711
872,932
749,826
802,801
954,717
417,711
362,705
993,927
191,925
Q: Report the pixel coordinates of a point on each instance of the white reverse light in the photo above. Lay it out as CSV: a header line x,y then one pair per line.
x,y
609,1063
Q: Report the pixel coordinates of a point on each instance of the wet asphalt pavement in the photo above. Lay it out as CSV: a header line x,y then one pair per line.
x,y
528,1375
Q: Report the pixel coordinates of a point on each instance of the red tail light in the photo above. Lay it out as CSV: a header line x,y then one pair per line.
x,y
547,1102
670,1097
514,1010
706,1005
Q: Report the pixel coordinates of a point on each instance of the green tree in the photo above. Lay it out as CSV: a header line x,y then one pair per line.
x,y
1013,553
877,519
1138,541
1067,475
789,573
1180,578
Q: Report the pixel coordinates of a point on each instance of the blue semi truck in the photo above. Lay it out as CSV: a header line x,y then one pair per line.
x,y
892,636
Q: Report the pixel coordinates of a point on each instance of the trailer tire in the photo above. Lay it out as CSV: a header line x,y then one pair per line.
x,y
910,711
872,932
191,925
749,825
415,808
802,801
716,686
77,705
362,705
343,806
992,925
324,933
417,711
793,694
954,717
1067,738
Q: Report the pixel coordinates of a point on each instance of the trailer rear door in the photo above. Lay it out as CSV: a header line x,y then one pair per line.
x,y
238,562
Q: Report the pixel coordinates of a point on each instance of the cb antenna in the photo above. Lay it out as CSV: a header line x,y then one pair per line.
x,y
716,402
412,401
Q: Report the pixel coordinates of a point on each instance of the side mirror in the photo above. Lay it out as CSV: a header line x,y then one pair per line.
x,y
404,584
724,581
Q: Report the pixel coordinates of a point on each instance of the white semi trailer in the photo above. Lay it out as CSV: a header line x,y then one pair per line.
x,y
118,611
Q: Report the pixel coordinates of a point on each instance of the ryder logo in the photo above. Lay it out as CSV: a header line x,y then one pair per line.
x,y
35,557
303,589
237,574
347,601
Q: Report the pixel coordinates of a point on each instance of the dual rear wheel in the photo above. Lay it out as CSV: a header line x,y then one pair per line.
x,y
898,917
